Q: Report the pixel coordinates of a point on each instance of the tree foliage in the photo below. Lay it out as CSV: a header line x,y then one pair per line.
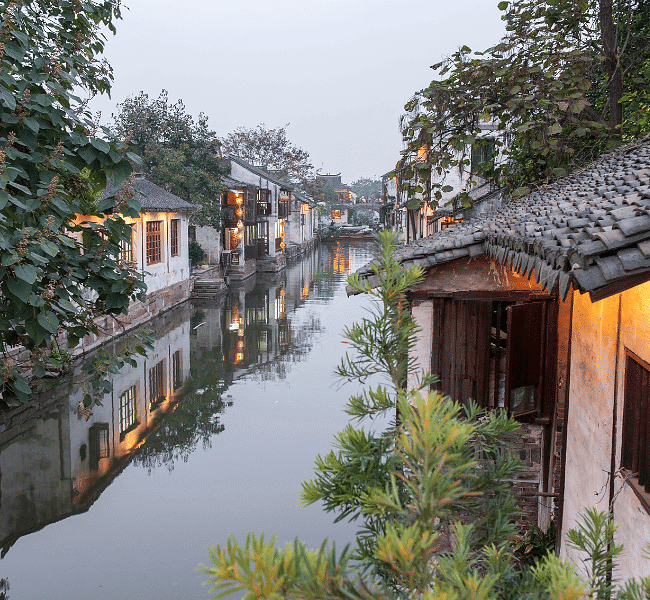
x,y
367,187
178,153
566,82
56,273
271,150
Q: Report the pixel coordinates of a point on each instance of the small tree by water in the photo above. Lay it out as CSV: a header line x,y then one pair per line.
x,y
434,524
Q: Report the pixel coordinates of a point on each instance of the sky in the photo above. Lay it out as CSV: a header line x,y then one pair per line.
x,y
338,72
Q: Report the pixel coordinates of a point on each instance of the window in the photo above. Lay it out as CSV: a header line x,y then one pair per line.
x,y
126,250
174,234
154,247
127,411
336,213
481,154
177,370
499,353
156,386
99,446
635,456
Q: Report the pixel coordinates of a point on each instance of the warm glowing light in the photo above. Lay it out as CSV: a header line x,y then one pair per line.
x,y
283,234
239,212
282,245
281,221
282,292
240,224
239,357
238,199
240,333
240,344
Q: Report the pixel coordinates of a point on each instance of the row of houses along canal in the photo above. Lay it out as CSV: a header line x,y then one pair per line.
x,y
211,434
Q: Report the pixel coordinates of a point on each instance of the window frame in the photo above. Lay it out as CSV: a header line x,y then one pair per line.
x,y
153,238
128,411
635,436
174,237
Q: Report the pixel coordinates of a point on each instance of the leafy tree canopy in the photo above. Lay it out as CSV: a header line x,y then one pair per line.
x,y
178,153
367,187
567,81
270,149
56,273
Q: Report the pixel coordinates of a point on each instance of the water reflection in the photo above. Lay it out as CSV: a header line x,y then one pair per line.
x,y
57,461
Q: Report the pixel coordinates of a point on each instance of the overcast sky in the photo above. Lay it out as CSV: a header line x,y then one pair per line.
x,y
339,71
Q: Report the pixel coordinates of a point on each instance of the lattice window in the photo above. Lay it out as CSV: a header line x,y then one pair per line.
x,y
174,237
154,242
127,411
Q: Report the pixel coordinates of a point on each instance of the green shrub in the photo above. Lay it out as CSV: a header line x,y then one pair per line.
x,y
197,254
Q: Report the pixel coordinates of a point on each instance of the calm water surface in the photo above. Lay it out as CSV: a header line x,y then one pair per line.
x,y
210,435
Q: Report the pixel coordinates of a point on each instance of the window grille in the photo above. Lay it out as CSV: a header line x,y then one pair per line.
x,y
154,242
127,411
174,237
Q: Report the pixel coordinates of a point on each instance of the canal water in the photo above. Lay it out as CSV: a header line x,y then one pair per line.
x,y
210,435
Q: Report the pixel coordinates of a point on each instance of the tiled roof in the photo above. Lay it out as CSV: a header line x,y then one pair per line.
x,y
591,229
262,173
153,198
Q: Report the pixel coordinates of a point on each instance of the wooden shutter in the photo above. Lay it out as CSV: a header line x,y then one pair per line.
x,y
460,348
525,357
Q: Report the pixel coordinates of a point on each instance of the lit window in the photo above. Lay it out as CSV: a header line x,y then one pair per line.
x,y
336,213
174,237
154,247
127,411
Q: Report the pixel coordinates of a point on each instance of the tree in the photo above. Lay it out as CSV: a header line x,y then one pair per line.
x,y
178,153
566,82
57,274
367,187
270,149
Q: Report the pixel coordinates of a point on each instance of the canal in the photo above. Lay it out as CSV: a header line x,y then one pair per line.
x,y
211,434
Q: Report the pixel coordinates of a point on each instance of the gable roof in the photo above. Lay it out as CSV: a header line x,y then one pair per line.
x,y
153,198
591,229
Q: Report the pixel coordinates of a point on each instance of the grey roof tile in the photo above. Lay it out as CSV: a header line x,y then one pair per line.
x,y
598,218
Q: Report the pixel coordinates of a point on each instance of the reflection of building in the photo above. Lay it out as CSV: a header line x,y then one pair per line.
x,y
55,460
338,257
